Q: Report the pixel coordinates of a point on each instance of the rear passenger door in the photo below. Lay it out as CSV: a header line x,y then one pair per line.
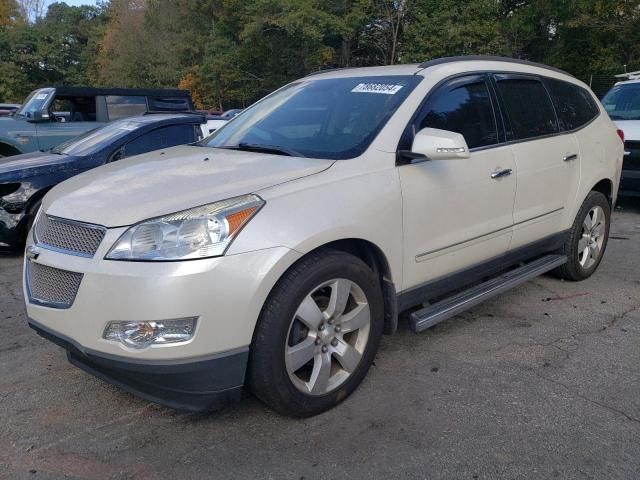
x,y
457,213
547,162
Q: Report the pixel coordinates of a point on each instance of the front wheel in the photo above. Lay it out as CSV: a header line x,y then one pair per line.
x,y
587,238
317,334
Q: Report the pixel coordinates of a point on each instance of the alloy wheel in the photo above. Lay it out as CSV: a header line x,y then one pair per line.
x,y
327,336
593,236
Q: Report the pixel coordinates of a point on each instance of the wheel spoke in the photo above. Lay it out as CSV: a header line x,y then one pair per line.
x,y
309,313
595,217
348,356
595,251
356,318
598,230
585,256
300,354
340,291
319,381
586,224
583,243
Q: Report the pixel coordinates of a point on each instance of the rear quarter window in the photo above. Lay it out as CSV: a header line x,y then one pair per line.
x,y
574,105
120,106
169,104
528,108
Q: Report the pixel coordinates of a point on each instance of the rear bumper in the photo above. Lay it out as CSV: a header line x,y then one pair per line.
x,y
199,385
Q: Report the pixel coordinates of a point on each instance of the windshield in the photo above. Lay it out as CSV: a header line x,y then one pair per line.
x,y
331,119
34,102
623,102
94,140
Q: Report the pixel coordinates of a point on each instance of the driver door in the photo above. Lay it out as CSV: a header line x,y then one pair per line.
x,y
75,116
458,213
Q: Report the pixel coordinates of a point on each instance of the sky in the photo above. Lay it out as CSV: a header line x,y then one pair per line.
x,y
75,3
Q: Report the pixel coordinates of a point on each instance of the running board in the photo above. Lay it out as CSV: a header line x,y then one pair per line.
x,y
433,314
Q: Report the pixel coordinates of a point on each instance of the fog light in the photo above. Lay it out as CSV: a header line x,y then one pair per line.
x,y
144,334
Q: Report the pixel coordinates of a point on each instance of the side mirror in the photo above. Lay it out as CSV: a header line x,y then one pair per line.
x,y
38,117
435,144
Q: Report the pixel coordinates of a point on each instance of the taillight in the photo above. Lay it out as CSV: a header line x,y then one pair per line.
x,y
621,135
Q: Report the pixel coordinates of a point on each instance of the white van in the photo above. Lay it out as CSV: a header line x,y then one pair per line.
x,y
275,254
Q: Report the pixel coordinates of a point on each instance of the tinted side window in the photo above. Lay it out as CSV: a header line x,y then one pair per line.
x,y
169,104
161,138
528,107
119,106
574,105
75,109
465,109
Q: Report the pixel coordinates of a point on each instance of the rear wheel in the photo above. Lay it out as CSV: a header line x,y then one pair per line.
x,y
317,335
587,238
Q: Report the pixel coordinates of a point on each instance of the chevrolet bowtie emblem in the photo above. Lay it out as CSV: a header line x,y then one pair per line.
x,y
32,253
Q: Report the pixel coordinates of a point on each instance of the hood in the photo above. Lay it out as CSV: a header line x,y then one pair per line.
x,y
30,164
631,129
162,182
10,122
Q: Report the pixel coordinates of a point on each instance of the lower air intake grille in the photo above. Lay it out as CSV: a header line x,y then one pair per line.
x,y
51,286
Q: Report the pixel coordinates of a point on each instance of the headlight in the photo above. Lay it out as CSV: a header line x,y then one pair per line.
x,y
199,232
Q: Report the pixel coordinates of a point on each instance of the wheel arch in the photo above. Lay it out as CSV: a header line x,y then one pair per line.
x,y
375,258
7,150
30,210
605,186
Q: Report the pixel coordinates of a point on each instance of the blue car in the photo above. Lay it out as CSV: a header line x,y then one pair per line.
x,y
52,115
25,179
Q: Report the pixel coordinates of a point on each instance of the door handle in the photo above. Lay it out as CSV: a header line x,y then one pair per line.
x,y
570,156
502,173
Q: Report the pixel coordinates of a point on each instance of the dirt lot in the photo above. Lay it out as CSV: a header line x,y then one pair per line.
x,y
543,382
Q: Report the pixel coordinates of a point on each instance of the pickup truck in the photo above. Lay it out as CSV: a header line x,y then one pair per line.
x,y
52,115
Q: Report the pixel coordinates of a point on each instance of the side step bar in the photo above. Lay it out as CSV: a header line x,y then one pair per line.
x,y
433,314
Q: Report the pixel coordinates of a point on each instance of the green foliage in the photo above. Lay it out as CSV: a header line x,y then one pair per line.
x,y
232,52
56,49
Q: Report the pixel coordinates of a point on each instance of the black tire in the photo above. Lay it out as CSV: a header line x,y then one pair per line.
x,y
268,377
573,270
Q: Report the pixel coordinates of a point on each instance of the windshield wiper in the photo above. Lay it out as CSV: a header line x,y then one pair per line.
x,y
257,147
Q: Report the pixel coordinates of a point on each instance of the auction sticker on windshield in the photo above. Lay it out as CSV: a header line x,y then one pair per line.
x,y
383,88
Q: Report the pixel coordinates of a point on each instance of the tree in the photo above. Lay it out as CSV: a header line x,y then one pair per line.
x,y
9,13
440,28
32,10
56,49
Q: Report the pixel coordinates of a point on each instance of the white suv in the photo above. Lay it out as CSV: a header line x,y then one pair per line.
x,y
276,253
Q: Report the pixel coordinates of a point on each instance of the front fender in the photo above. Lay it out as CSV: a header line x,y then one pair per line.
x,y
324,208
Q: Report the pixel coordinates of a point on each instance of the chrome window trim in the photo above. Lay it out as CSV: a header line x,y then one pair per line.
x,y
492,73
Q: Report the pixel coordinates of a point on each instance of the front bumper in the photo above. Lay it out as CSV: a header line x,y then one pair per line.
x,y
226,294
11,228
194,386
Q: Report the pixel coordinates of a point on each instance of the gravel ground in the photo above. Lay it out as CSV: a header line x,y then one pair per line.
x,y
542,382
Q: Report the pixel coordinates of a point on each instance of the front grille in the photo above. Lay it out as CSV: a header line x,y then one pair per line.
x,y
51,286
73,237
632,161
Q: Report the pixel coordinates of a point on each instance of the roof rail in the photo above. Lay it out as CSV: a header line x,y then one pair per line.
x,y
488,58
629,75
324,70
